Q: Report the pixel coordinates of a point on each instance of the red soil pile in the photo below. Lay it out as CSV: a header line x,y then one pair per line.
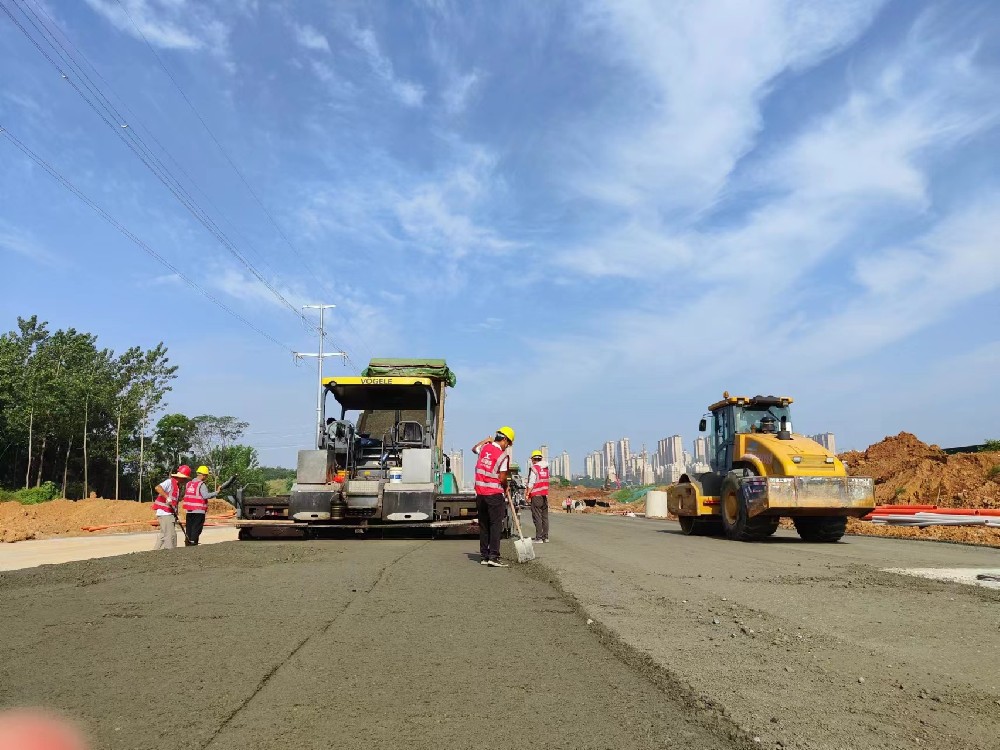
x,y
908,471
66,517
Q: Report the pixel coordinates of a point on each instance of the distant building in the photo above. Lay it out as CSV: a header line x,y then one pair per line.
x,y
827,440
701,450
675,450
457,459
560,466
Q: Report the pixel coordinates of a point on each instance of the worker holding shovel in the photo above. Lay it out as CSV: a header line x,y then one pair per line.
x,y
165,505
491,482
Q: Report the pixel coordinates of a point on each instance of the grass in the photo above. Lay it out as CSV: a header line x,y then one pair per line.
x,y
994,472
32,495
900,491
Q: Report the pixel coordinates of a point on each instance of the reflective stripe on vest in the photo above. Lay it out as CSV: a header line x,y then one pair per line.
x,y
193,501
541,485
487,476
167,504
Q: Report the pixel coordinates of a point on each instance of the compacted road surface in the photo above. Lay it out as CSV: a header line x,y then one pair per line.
x,y
802,645
334,643
623,634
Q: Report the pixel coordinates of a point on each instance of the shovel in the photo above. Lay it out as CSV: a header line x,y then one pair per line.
x,y
525,548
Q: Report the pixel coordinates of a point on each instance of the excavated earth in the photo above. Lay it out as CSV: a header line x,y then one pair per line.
x,y
58,518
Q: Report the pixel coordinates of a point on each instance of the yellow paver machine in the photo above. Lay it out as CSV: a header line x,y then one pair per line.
x,y
760,472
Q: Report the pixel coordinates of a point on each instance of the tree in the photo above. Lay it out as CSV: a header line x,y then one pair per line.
x,y
70,408
214,435
173,440
153,383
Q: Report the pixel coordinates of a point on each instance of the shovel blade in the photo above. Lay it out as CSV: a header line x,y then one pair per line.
x,y
525,550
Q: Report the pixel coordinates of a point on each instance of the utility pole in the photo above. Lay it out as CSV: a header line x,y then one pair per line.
x,y
320,355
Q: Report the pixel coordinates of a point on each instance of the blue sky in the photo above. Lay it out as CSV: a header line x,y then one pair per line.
x,y
603,214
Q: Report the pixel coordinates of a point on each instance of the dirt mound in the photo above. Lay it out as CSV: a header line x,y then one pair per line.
x,y
605,501
909,471
67,517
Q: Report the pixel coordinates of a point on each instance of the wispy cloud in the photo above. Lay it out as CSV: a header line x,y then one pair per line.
x,y
310,38
20,242
800,266
459,91
409,93
168,24
702,69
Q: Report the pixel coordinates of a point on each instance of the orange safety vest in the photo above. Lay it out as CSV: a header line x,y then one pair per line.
x,y
193,501
541,485
487,476
168,503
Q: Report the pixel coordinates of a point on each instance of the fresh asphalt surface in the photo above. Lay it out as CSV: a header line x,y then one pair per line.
x,y
411,643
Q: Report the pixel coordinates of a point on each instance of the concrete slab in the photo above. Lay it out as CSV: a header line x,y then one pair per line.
x,y
967,576
18,555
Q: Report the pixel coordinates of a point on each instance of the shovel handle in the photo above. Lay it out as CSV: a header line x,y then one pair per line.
x,y
513,510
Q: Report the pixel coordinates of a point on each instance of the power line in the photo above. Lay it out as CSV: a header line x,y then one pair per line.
x,y
134,118
55,174
228,158
113,119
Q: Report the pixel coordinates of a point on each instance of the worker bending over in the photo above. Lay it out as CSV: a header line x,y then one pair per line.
x,y
538,495
196,497
491,484
165,505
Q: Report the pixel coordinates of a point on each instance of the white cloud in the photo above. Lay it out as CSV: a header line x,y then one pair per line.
x,y
701,71
22,243
242,286
459,91
310,38
169,24
849,248
409,93
438,216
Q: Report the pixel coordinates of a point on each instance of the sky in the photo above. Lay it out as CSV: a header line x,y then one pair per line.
x,y
602,213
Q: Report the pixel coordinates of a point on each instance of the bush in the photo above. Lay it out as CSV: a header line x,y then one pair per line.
x,y
994,472
32,495
991,445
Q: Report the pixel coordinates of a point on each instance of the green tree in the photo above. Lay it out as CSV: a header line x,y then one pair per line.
x,y
153,383
172,441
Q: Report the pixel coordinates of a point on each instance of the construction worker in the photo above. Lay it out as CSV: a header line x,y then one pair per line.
x,y
195,504
165,505
538,495
491,484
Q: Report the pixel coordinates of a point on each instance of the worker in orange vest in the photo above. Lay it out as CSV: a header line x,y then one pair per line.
x,y
538,496
195,504
491,484
165,505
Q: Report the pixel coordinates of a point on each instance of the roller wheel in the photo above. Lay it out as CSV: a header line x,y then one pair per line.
x,y
823,529
735,523
689,525
245,535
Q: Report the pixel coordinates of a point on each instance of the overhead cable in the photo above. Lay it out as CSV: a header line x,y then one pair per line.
x,y
108,113
100,211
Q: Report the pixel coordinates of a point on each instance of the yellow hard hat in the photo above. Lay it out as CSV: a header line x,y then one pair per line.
x,y
507,432
537,454
204,470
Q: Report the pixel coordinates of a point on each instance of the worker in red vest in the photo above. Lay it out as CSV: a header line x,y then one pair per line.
x,y
196,497
491,484
165,505
538,495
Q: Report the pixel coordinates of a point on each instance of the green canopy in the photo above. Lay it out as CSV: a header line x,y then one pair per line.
x,y
413,368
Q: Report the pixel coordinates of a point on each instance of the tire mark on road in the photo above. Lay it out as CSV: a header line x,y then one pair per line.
x,y
320,632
